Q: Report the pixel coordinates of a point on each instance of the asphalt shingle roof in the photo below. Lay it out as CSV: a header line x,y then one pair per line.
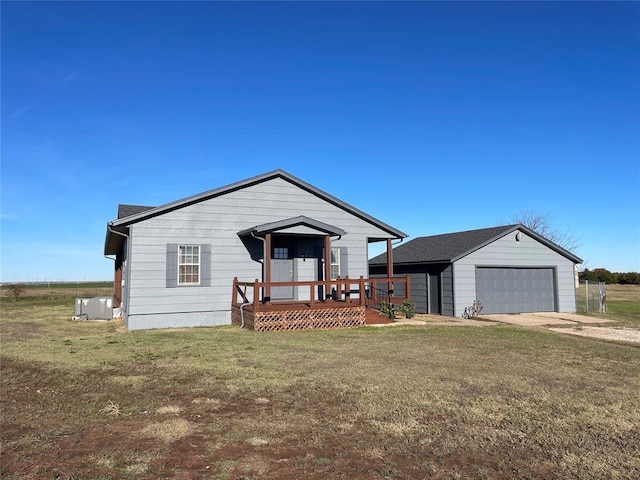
x,y
442,248
127,210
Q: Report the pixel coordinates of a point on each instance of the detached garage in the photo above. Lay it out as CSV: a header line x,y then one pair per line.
x,y
508,269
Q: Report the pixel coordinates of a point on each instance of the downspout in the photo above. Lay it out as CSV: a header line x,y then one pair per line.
x,y
264,254
242,312
116,232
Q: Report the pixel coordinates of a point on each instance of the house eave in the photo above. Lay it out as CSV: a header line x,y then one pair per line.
x,y
113,242
426,262
272,227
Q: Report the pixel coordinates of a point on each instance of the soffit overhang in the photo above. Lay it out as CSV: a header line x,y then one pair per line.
x,y
290,223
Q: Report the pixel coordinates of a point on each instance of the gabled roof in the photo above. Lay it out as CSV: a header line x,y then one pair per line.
x,y
293,222
113,240
449,247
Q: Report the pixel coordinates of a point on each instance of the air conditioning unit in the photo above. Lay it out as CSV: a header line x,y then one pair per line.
x,y
93,308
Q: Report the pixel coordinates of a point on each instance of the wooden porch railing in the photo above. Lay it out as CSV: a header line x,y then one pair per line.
x,y
361,291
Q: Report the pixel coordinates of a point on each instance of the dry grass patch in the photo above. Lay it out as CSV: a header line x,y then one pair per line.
x,y
254,465
169,430
257,441
169,410
112,409
128,380
212,403
624,293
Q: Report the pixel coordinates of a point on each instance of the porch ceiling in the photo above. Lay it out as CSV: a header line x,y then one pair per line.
x,y
288,223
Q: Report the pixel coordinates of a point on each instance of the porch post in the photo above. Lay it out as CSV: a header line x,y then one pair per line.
x,y
117,288
267,267
327,266
256,296
234,293
389,265
117,281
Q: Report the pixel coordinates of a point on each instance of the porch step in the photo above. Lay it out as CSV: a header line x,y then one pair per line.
x,y
373,317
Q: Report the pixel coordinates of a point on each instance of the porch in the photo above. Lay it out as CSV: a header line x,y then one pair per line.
x,y
339,303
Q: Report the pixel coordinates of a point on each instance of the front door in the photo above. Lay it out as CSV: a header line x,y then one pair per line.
x,y
282,269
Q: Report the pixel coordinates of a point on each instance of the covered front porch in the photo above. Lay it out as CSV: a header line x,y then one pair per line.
x,y
339,303
305,278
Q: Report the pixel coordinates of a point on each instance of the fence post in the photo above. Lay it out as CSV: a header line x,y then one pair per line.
x,y
586,294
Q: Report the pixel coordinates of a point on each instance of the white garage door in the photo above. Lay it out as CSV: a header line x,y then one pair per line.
x,y
515,290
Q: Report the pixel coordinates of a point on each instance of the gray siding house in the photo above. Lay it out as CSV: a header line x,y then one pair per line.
x,y
508,269
175,264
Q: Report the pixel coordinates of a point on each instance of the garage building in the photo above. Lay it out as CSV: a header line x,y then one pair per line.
x,y
508,269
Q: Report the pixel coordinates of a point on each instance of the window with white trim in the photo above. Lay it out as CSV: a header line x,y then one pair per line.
x,y
335,263
188,265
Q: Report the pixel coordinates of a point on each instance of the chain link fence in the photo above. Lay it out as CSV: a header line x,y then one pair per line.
x,y
591,297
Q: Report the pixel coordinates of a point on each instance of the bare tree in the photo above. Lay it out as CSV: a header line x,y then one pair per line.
x,y
541,224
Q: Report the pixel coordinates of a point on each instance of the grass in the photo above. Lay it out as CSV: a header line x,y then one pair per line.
x,y
88,400
66,286
623,304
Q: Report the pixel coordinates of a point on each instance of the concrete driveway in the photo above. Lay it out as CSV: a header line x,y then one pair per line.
x,y
571,324
566,323
543,319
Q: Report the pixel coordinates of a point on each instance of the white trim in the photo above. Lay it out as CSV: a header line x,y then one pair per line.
x,y
196,250
335,255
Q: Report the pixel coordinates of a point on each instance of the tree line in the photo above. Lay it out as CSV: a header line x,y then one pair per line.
x,y
604,275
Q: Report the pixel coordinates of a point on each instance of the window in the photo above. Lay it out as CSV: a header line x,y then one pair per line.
x,y
281,253
335,263
188,265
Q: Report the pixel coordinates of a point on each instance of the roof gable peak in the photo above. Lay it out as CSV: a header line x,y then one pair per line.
x,y
450,247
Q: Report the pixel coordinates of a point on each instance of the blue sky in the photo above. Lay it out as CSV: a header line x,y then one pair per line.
x,y
433,117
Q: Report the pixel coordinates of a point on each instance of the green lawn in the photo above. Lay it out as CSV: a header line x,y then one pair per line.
x,y
88,400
